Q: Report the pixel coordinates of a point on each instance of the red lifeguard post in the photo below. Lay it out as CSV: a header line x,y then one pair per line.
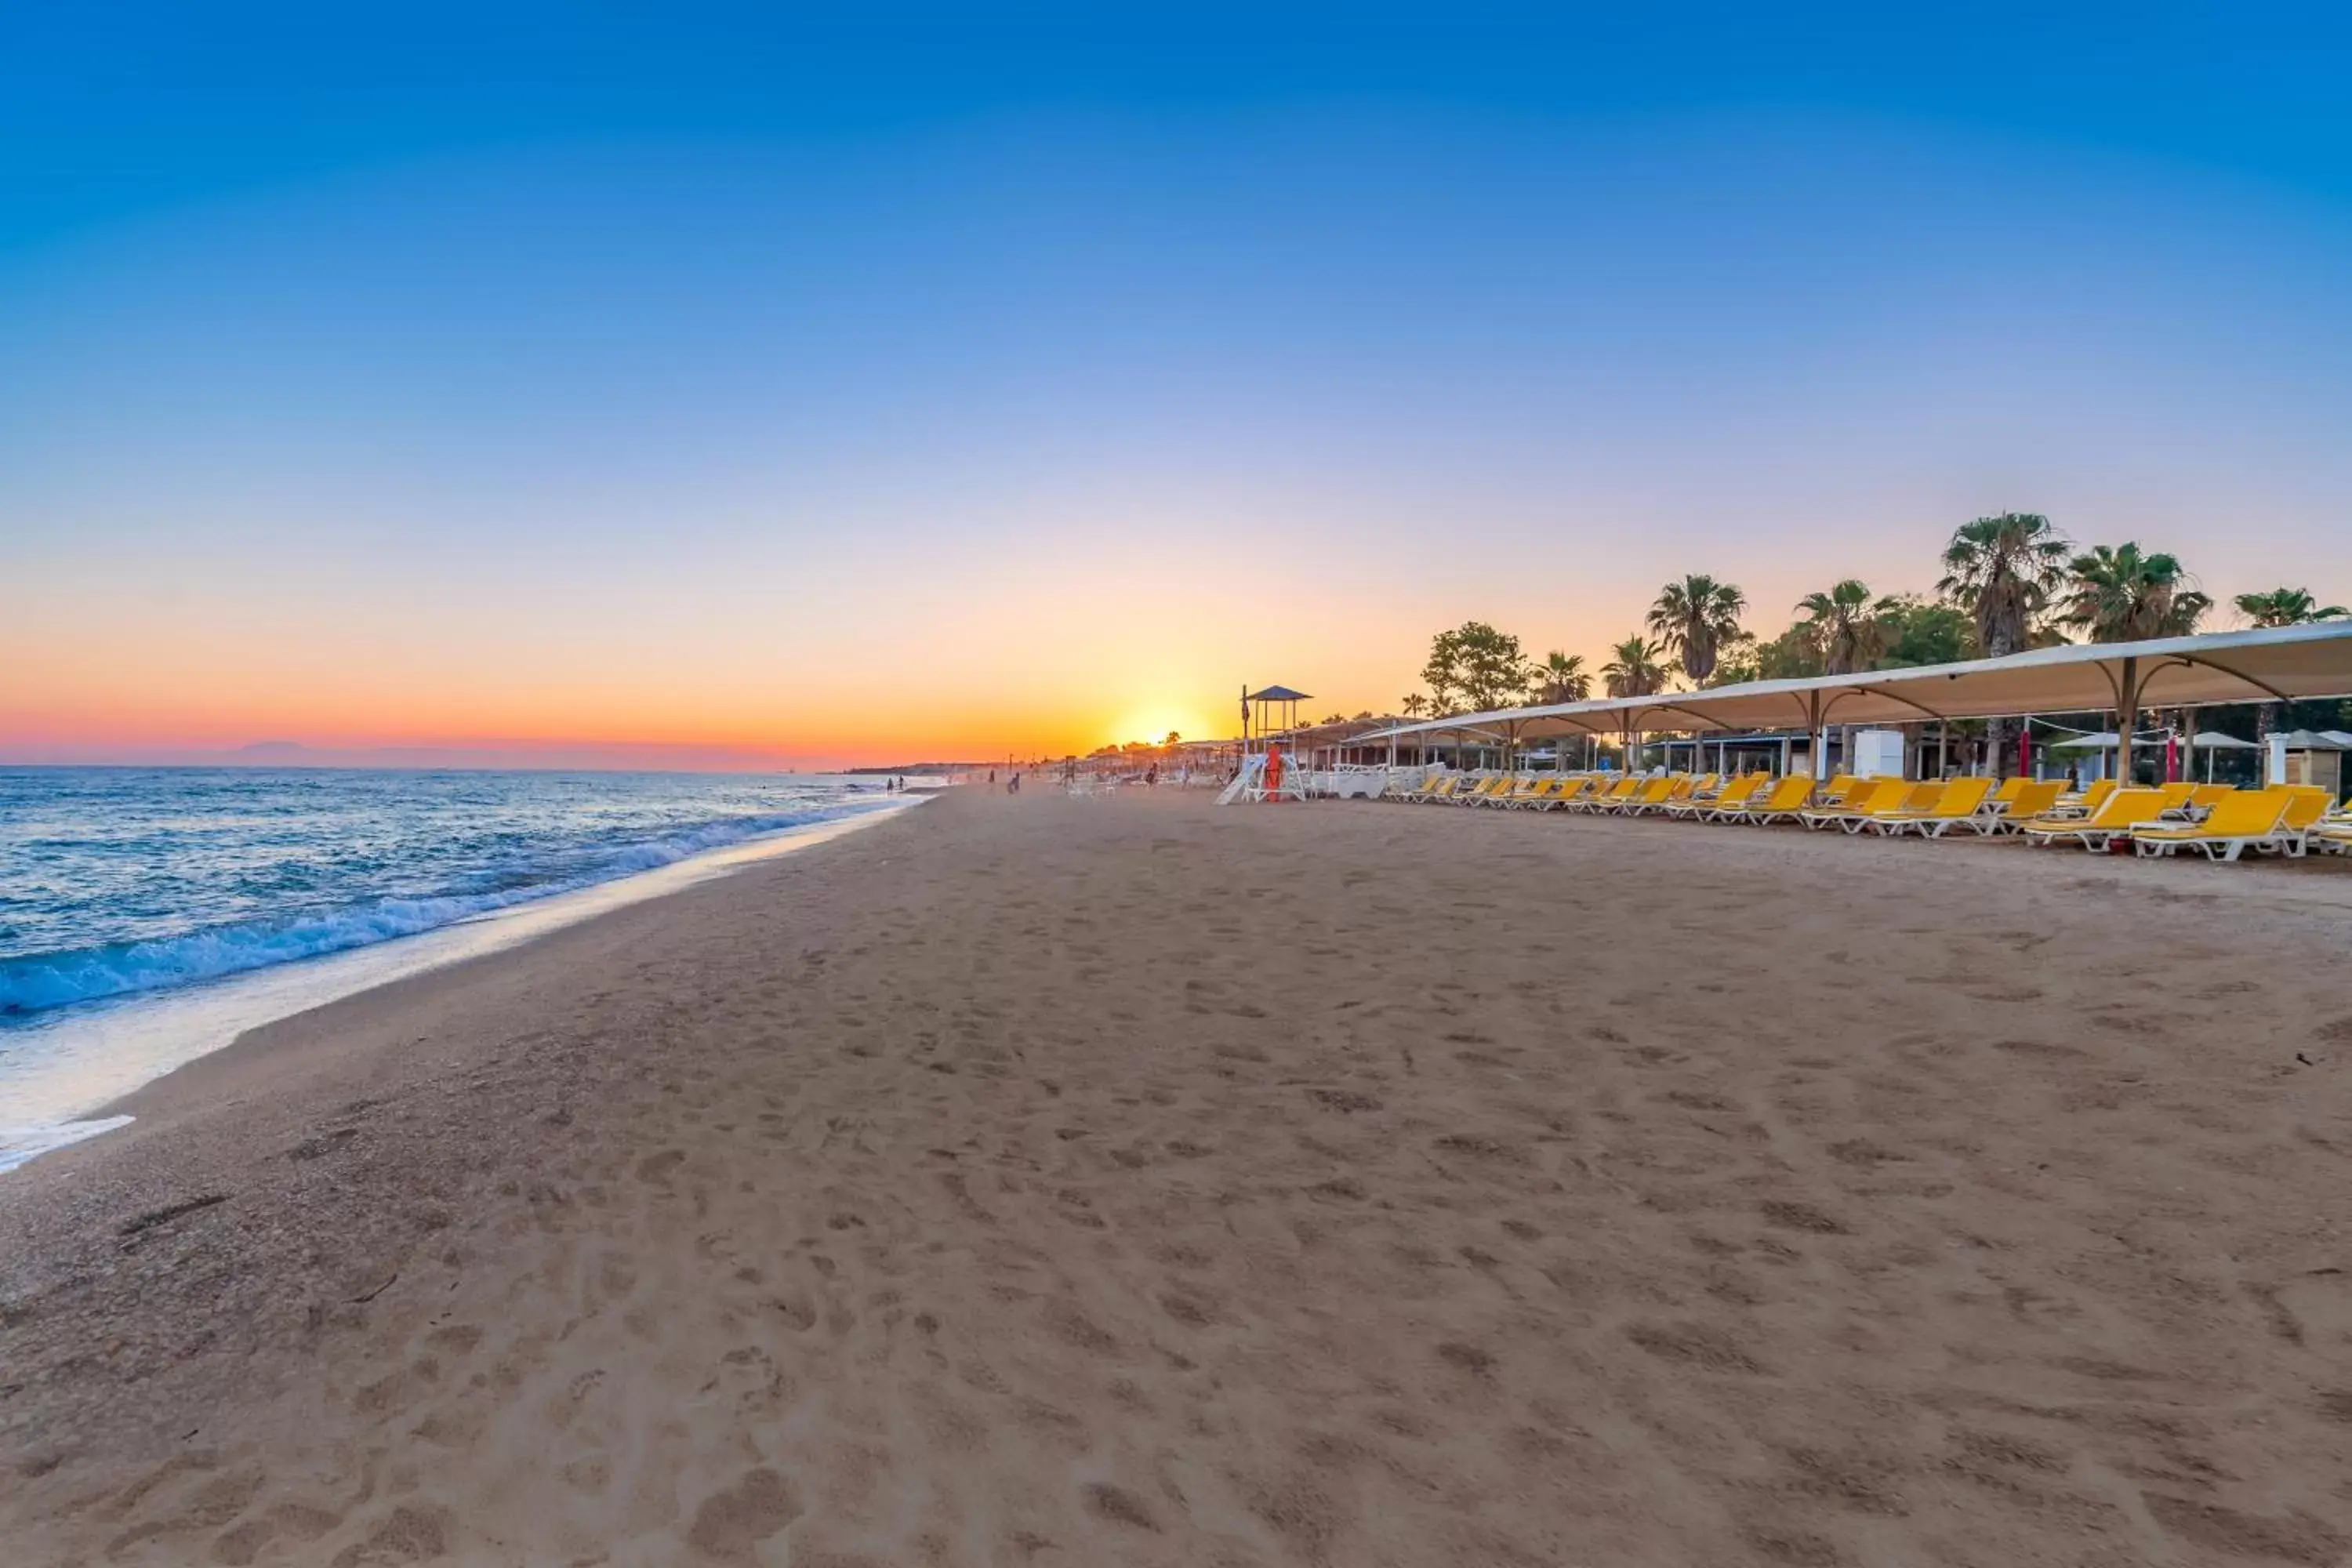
x,y
1266,774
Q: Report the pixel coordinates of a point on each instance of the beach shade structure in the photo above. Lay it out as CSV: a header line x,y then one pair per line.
x,y
2280,664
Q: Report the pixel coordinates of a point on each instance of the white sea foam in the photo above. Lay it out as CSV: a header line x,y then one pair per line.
x,y
63,1065
41,982
18,1145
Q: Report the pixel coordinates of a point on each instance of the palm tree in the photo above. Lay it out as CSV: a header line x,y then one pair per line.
x,y
1413,706
1844,625
2001,571
2281,607
1562,678
1633,670
2287,608
1694,619
2119,594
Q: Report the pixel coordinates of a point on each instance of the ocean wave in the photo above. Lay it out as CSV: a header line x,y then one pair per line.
x,y
37,983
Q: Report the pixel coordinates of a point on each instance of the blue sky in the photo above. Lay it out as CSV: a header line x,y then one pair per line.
x,y
718,377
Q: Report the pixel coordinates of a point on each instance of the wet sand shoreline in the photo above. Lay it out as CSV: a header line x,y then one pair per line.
x,y
1068,1181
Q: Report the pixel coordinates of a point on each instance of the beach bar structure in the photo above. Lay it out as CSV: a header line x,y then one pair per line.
x,y
2280,664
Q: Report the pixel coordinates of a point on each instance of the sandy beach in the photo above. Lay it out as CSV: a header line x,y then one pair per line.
x,y
1090,1182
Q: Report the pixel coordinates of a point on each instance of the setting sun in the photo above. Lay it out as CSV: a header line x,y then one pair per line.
x,y
1156,725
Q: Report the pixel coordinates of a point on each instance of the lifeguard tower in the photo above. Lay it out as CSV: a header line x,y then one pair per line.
x,y
1267,774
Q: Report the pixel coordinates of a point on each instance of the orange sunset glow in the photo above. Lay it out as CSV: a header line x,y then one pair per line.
x,y
977,433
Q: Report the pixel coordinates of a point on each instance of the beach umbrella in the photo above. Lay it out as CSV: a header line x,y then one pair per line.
x,y
2104,741
2212,741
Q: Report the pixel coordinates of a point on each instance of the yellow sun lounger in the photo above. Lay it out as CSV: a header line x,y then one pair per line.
x,y
1892,804
2307,806
2038,799
1520,787
1571,791
2123,810
2086,804
1735,793
1648,801
1862,798
2249,819
1481,789
1605,799
1537,795
1958,802
1783,802
1649,793
1516,787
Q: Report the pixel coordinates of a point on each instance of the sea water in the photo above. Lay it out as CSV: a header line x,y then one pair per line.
x,y
148,915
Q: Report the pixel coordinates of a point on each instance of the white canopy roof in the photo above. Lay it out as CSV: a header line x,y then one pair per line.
x,y
2268,665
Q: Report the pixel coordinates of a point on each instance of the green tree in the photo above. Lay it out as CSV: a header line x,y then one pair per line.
x,y
1847,624
1693,619
1794,655
1476,664
1561,678
2287,608
1633,670
1736,662
1919,632
2121,594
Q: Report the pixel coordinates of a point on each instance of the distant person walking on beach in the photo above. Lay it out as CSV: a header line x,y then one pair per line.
x,y
1012,784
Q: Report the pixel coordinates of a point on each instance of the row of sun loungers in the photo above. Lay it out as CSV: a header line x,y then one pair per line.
x,y
2216,820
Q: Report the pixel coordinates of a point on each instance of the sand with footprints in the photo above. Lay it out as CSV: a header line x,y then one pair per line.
x,y
1078,1182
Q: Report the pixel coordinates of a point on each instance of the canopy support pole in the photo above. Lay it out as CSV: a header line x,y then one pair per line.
x,y
2126,719
1817,721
